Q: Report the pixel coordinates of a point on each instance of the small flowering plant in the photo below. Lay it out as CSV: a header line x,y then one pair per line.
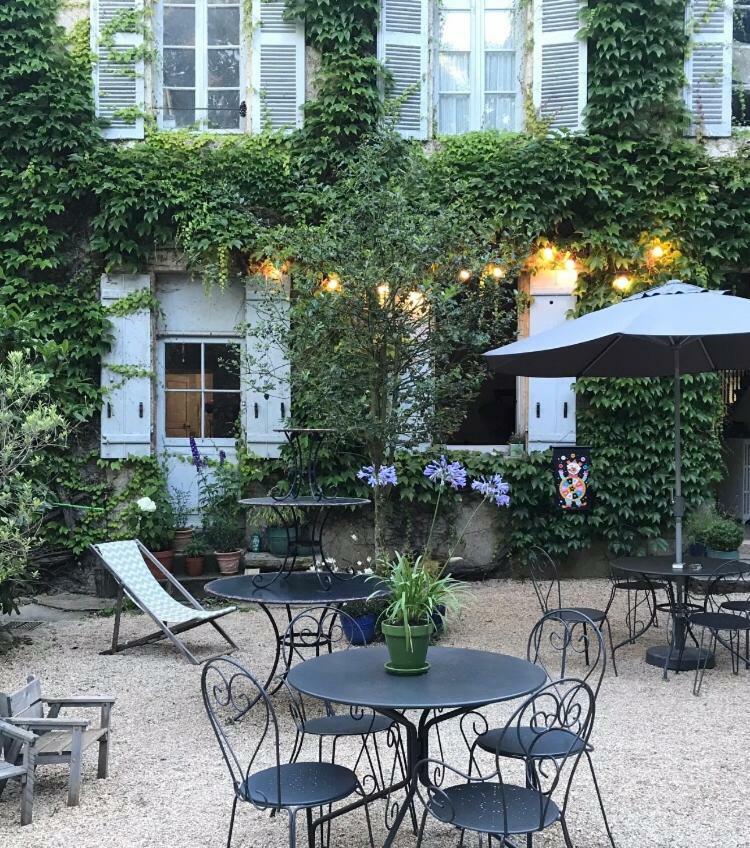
x,y
150,519
384,476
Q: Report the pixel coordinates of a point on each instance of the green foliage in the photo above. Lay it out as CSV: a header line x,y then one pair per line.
x,y
223,518
706,526
29,425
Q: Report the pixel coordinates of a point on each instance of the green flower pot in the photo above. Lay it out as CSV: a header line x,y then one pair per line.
x,y
716,554
406,658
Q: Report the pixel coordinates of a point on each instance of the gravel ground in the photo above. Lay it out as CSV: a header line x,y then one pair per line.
x,y
673,767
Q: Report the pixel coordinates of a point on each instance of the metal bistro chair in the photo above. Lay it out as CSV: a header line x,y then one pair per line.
x,y
554,645
546,581
642,606
230,694
327,628
725,616
489,804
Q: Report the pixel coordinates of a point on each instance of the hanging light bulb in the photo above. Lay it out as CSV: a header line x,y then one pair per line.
x,y
496,271
383,290
414,301
331,283
622,283
570,264
548,254
464,275
657,252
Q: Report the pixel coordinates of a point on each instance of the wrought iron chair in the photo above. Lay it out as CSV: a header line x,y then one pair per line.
x,y
230,694
725,616
325,628
554,644
640,598
560,716
546,581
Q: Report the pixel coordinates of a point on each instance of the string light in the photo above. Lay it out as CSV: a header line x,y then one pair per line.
x,y
383,290
657,251
548,254
464,275
415,301
570,264
621,283
496,271
331,283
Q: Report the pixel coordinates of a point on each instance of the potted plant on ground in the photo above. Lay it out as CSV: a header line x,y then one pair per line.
x,y
152,520
195,552
181,512
279,531
417,593
223,518
712,534
226,537
365,615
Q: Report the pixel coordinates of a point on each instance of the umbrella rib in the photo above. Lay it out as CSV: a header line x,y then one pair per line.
x,y
708,355
599,355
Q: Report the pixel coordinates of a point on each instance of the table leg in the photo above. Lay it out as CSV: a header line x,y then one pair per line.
x,y
277,638
677,655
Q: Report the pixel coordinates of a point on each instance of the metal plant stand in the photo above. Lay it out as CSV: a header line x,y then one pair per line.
x,y
303,509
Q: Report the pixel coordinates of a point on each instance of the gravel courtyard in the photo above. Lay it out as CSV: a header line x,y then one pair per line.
x,y
673,767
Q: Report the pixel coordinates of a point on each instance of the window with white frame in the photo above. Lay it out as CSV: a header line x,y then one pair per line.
x,y
477,77
201,79
741,65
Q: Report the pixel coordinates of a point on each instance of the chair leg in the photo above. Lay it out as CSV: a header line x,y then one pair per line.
x,y
310,829
74,780
611,646
231,822
103,763
420,835
27,796
292,828
566,833
599,796
586,645
700,669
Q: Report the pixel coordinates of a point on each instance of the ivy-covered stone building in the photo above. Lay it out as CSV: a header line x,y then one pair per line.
x,y
596,142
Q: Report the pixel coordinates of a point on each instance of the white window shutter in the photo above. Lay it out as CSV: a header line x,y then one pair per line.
x,y
117,85
708,67
278,68
126,410
403,47
560,63
265,411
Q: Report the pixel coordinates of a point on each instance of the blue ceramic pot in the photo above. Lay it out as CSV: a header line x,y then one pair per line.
x,y
362,630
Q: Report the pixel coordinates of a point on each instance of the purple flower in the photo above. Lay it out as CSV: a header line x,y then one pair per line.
x,y
493,488
385,476
198,460
222,457
441,471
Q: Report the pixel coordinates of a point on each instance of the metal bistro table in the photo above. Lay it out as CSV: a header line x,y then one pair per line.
x,y
459,680
659,568
298,589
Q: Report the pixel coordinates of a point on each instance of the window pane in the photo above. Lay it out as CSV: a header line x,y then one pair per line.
x,y
224,110
179,67
499,72
221,414
455,30
224,25
179,25
182,415
498,30
182,366
742,24
454,72
453,114
499,112
223,68
222,363
179,107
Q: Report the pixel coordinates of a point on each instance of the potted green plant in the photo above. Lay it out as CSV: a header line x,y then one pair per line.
x,y
365,615
279,530
181,512
226,536
516,445
195,552
417,593
720,536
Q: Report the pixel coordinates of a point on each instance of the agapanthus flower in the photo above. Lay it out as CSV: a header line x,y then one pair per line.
x,y
493,488
385,475
198,461
444,472
222,457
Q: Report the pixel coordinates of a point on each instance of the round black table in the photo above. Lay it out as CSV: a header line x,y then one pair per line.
x,y
676,655
459,679
298,589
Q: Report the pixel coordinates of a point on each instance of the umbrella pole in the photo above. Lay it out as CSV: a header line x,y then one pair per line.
x,y
679,503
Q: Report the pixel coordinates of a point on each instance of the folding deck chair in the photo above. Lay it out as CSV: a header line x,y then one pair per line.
x,y
125,561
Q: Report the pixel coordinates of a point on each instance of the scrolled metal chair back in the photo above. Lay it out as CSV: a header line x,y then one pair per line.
x,y
242,718
545,578
727,582
312,631
565,646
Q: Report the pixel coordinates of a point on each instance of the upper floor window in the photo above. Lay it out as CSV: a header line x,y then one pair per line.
x,y
477,82
201,65
741,65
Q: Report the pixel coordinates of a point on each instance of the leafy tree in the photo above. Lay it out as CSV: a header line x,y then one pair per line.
x,y
392,301
29,425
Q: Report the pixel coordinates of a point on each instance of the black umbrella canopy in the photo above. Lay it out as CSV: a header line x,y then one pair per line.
x,y
638,337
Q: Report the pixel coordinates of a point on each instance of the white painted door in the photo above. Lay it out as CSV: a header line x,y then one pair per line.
x,y
552,411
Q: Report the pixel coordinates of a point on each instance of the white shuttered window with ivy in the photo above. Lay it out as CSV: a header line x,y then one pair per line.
x,y
477,81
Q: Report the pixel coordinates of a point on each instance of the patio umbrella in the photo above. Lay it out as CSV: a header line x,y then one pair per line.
x,y
673,329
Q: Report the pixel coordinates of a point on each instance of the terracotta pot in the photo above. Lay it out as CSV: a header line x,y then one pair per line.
x,y
166,558
182,535
194,566
229,561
